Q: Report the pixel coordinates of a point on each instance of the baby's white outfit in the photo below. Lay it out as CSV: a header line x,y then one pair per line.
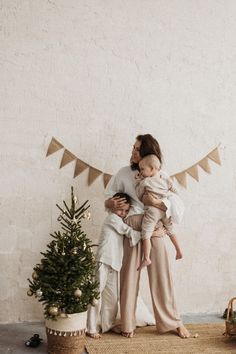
x,y
160,187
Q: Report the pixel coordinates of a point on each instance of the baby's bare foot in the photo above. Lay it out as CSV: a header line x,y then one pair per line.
x,y
144,263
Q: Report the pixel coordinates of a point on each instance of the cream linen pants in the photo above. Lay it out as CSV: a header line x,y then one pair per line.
x,y
104,313
150,218
160,282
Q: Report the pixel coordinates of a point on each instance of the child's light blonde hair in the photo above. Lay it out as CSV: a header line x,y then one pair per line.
x,y
151,161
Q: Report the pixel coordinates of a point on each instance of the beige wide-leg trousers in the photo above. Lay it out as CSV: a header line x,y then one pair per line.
x,y
160,282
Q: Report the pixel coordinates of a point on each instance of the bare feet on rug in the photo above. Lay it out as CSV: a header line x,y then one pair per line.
x,y
93,335
127,334
144,263
183,332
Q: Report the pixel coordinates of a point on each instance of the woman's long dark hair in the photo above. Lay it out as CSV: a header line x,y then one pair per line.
x,y
149,145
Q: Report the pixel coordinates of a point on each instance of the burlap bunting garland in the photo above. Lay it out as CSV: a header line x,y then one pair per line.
x,y
66,158
181,177
54,146
93,173
80,166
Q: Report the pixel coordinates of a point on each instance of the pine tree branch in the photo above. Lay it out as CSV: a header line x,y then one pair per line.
x,y
67,221
64,212
81,207
66,228
71,216
81,212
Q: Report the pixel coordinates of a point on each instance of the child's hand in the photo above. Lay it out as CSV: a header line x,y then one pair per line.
x,y
137,175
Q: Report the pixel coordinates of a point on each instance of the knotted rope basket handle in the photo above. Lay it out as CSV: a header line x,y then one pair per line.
x,y
230,307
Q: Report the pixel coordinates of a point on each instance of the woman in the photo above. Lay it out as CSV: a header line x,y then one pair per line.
x,y
160,280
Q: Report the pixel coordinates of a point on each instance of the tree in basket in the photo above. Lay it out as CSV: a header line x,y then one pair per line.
x,y
64,280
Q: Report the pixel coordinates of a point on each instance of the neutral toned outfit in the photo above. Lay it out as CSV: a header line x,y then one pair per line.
x,y
109,257
159,187
160,280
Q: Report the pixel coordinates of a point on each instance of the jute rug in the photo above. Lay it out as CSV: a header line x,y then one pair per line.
x,y
146,340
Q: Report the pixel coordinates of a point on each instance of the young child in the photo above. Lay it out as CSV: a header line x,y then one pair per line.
x,y
150,180
109,257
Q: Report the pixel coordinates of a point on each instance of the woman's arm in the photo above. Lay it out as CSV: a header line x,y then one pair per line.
x,y
115,185
148,199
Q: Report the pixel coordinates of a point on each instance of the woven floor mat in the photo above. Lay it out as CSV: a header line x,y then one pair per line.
x,y
146,340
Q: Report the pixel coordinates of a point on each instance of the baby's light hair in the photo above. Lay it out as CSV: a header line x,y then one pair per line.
x,y
151,161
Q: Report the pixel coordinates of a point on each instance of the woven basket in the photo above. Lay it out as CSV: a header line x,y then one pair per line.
x,y
230,327
67,334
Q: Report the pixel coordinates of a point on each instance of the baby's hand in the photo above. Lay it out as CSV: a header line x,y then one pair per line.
x,y
137,175
179,255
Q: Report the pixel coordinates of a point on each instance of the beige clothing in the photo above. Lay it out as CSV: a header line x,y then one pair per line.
x,y
159,188
159,274
151,217
160,280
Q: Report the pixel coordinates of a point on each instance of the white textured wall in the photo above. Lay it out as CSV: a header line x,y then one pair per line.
x,y
94,74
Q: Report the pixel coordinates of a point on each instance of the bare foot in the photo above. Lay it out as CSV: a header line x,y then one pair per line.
x,y
183,332
179,255
127,334
144,263
93,335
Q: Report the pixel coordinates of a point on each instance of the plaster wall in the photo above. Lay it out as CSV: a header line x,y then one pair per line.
x,y
94,74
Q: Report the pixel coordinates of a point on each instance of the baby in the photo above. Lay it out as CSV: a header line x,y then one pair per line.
x,y
150,181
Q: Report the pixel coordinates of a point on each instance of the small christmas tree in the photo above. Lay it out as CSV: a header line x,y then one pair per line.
x,y
64,280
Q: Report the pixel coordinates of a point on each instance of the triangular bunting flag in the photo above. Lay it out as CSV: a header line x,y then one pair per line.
x,y
204,164
181,178
106,179
214,156
54,146
193,171
80,166
66,158
93,174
